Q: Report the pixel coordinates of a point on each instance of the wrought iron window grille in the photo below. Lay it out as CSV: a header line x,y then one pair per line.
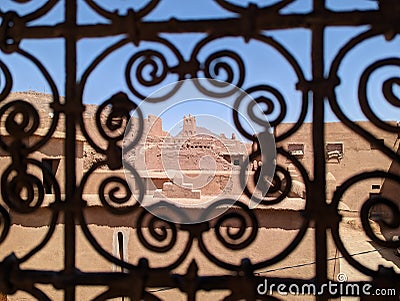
x,y
140,281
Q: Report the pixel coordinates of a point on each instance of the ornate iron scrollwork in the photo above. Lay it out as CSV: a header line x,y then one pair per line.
x,y
22,191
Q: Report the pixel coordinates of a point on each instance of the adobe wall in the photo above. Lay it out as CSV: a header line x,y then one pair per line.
x,y
390,189
54,149
94,214
153,126
277,228
358,156
97,177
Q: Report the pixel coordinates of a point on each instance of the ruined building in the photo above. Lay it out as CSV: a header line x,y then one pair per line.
x,y
190,154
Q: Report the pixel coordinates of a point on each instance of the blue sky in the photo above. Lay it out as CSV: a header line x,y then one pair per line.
x,y
264,65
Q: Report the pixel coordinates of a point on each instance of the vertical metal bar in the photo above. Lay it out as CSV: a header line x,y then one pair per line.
x,y
319,181
120,238
70,144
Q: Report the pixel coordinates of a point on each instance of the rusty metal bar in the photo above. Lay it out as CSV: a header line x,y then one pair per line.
x,y
70,146
137,280
228,26
318,141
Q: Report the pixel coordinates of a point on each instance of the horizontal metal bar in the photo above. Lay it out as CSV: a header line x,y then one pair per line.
x,y
225,27
156,278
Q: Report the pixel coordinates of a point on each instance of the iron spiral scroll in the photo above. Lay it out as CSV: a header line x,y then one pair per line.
x,y
154,61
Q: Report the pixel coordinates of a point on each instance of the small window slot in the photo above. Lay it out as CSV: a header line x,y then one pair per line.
x,y
376,145
334,151
296,149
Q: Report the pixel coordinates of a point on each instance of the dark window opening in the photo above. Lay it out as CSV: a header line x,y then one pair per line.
x,y
227,158
376,145
120,238
52,166
236,162
376,186
379,212
374,195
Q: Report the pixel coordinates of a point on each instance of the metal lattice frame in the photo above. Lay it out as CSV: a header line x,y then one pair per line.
x,y
249,23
